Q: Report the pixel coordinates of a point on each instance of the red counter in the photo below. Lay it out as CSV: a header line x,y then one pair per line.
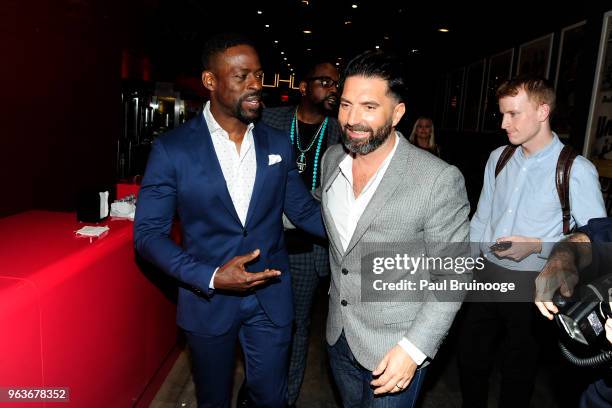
x,y
78,313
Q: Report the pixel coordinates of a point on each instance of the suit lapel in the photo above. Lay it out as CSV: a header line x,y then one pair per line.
x,y
215,181
389,183
334,236
260,140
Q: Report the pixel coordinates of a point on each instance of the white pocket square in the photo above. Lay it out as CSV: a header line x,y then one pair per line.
x,y
273,159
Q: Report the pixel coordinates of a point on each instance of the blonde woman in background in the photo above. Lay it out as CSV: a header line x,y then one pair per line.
x,y
423,135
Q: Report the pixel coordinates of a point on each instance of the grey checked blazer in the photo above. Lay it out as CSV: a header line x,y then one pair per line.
x,y
420,199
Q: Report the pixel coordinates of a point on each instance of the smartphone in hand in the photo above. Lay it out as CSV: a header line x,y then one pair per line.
x,y
500,246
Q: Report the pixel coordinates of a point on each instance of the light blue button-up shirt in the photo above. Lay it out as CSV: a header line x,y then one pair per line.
x,y
523,200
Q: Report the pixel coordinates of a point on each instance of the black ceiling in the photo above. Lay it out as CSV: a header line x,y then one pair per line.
x,y
175,30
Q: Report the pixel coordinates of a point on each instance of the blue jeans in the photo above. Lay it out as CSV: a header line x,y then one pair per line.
x,y
353,381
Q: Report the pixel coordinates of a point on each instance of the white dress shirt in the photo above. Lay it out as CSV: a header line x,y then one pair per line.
x,y
238,168
346,210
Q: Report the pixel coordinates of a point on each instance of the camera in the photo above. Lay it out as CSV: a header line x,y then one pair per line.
x,y
582,318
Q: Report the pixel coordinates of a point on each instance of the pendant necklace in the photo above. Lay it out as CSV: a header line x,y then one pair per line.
x,y
295,139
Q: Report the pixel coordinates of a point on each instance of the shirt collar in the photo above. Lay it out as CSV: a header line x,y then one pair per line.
x,y
546,150
346,165
213,125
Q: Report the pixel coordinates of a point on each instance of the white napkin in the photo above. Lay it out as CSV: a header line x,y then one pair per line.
x,y
89,231
122,209
103,204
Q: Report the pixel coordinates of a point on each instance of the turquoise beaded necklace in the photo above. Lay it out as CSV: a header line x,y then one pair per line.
x,y
295,139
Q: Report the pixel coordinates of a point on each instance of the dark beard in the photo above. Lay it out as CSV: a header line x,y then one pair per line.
x,y
247,116
371,143
324,105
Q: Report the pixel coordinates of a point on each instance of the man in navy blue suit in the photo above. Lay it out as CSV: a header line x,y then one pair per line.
x,y
229,181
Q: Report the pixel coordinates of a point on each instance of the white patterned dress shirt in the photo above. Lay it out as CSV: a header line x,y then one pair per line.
x,y
239,168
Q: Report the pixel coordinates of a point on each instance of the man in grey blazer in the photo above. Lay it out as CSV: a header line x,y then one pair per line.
x,y
383,190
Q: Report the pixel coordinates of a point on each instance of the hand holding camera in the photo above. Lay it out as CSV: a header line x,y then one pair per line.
x,y
560,273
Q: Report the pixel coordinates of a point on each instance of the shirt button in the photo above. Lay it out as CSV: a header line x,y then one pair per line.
x,y
344,302
245,232
344,271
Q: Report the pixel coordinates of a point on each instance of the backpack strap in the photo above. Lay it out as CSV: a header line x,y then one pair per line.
x,y
564,167
504,158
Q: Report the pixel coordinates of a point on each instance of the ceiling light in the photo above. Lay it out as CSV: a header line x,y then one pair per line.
x,y
308,49
347,22
354,6
443,30
305,2
285,58
259,12
337,63
377,47
275,41
282,52
307,32
267,25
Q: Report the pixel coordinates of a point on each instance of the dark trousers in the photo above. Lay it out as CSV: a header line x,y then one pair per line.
x,y
484,327
598,394
353,381
306,269
266,351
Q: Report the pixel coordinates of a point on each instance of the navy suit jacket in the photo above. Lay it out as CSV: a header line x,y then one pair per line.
x,y
183,177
